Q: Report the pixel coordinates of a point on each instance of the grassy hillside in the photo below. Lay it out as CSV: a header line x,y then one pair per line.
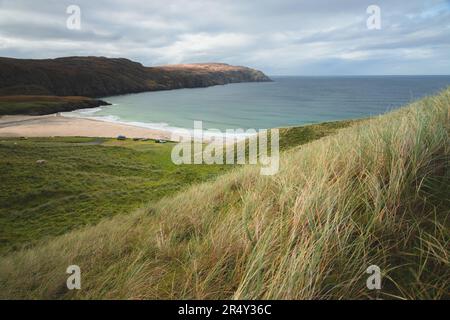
x,y
375,193
101,76
39,105
82,181
87,179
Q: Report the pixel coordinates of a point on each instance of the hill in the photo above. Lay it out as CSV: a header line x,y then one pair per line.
x,y
100,76
40,105
87,179
372,194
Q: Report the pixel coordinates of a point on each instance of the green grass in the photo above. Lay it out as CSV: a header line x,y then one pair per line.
x,y
29,107
81,183
87,179
294,136
373,193
40,105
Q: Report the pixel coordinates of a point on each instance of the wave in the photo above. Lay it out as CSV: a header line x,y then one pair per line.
x,y
89,113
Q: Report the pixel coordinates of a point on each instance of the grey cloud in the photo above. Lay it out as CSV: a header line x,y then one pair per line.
x,y
279,37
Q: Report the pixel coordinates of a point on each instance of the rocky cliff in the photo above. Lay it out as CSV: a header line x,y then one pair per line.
x,y
100,76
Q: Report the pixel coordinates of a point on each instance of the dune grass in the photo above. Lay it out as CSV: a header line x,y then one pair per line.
x,y
375,193
87,179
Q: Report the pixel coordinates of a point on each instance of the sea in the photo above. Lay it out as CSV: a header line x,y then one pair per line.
x,y
287,101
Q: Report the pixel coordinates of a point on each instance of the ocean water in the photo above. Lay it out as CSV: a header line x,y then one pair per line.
x,y
288,101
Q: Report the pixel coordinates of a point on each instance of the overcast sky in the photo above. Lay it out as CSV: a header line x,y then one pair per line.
x,y
301,37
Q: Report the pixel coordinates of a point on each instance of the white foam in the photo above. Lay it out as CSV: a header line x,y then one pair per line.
x,y
89,113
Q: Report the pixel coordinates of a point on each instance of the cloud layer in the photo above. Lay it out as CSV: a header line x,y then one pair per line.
x,y
276,36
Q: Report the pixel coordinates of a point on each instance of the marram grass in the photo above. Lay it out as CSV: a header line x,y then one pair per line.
x,y
375,193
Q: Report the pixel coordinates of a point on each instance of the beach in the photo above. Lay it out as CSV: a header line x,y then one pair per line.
x,y
57,125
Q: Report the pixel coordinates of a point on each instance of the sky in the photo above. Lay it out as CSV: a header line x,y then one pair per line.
x,y
279,37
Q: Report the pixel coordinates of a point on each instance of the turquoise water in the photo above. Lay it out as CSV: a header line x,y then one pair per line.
x,y
287,101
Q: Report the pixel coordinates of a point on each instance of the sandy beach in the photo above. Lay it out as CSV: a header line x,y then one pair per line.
x,y
56,125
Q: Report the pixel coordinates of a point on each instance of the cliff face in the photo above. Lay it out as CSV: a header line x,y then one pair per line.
x,y
99,76
201,75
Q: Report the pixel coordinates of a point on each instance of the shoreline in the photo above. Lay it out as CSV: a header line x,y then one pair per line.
x,y
59,125
54,125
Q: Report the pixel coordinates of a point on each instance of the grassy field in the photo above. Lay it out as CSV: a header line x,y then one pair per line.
x,y
82,181
39,105
87,179
374,193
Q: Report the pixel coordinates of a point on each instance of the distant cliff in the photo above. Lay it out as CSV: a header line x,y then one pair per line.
x,y
100,76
